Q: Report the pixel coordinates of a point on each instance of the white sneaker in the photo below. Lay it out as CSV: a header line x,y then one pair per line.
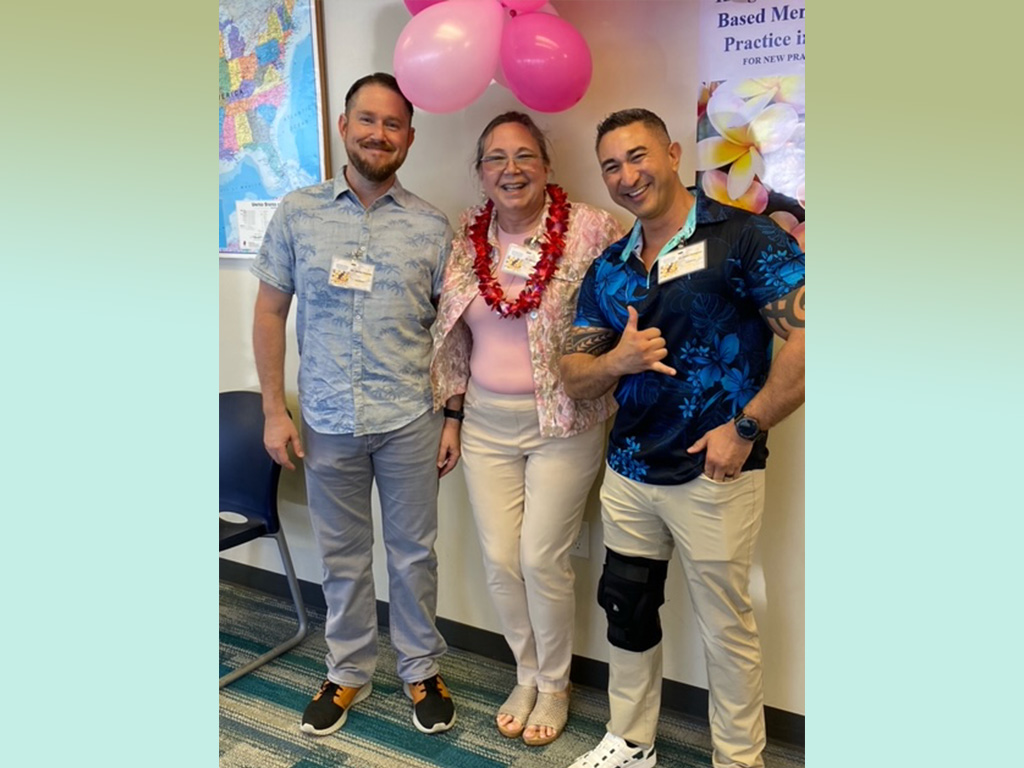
x,y
614,752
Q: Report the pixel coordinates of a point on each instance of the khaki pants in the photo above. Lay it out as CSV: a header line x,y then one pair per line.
x,y
714,527
528,493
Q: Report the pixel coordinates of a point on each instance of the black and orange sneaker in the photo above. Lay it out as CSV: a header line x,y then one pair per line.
x,y
329,708
432,707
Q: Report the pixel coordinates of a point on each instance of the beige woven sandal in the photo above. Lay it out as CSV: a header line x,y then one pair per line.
x,y
551,711
519,704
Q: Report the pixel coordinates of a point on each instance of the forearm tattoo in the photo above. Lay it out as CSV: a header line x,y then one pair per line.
x,y
591,341
786,314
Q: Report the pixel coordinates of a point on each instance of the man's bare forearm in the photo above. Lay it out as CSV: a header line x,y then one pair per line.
x,y
596,358
783,392
585,376
268,343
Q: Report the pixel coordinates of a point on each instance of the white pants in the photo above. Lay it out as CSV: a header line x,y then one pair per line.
x,y
528,494
714,527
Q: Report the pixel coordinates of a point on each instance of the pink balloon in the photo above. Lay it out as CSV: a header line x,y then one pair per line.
x,y
445,55
499,76
546,61
415,6
523,6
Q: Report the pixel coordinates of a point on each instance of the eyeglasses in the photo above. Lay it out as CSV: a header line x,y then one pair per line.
x,y
500,162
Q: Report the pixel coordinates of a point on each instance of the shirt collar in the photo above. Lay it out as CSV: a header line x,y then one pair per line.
x,y
705,210
708,211
396,192
635,243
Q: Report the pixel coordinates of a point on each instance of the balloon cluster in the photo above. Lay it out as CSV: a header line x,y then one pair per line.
x,y
451,50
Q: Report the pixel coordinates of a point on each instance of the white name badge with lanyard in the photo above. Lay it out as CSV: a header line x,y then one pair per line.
x,y
520,261
634,247
682,261
347,272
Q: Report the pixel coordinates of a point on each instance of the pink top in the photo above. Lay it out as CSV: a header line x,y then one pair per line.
x,y
500,358
591,230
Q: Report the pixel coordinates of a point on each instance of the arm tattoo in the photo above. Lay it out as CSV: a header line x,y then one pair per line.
x,y
591,341
785,314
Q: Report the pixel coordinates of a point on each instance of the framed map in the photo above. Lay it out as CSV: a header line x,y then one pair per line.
x,y
272,124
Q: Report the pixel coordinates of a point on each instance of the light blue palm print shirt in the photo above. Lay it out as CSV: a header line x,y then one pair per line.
x,y
364,357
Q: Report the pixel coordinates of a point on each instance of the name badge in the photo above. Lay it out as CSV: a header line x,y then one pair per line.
x,y
520,261
346,272
682,261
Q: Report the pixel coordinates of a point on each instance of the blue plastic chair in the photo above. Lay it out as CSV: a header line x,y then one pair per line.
x,y
248,487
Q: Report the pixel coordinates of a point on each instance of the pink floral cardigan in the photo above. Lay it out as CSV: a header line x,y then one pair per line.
x,y
591,230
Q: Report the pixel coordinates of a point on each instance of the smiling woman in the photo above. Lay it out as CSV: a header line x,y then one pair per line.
x,y
530,452
513,166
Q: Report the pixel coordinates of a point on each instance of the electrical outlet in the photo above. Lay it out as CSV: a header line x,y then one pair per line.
x,y
581,547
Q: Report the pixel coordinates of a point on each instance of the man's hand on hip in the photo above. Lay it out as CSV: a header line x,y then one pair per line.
x,y
726,452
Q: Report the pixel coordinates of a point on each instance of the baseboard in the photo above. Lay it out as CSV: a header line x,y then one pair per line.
x,y
685,699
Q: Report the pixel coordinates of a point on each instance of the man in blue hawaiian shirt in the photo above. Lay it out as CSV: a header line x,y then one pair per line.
x,y
364,259
679,317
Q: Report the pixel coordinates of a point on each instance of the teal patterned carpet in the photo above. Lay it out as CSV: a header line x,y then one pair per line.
x,y
259,713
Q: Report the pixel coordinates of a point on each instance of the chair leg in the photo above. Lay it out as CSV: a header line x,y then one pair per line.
x,y
300,610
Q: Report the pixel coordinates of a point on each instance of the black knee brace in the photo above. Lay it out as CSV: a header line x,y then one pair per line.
x,y
631,590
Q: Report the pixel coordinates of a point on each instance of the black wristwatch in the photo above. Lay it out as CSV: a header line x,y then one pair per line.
x,y
451,414
747,427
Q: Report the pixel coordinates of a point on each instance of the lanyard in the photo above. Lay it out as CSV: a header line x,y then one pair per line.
x,y
634,239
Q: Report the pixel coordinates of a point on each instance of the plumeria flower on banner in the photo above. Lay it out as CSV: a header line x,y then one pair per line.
x,y
755,199
748,129
785,89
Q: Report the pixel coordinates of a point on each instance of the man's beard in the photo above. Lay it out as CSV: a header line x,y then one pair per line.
x,y
374,173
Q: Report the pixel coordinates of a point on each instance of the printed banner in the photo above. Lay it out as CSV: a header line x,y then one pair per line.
x,y
750,115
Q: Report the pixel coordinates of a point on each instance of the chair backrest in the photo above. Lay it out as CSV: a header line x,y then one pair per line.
x,y
248,476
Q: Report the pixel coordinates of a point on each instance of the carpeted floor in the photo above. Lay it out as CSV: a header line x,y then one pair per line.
x,y
259,713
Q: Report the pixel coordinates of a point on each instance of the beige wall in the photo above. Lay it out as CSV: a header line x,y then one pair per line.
x,y
644,55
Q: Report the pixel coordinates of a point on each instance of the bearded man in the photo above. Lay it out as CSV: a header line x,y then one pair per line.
x,y
364,259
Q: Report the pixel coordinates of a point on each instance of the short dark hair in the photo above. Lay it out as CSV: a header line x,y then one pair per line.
x,y
625,117
513,117
377,78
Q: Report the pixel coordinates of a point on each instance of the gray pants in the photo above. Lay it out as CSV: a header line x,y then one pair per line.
x,y
340,470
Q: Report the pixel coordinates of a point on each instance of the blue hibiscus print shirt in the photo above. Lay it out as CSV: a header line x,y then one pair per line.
x,y
717,340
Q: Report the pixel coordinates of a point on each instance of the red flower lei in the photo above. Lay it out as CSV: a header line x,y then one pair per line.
x,y
551,249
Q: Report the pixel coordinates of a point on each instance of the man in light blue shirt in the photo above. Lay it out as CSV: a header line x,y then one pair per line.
x,y
364,259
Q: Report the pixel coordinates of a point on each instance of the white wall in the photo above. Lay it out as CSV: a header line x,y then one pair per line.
x,y
644,55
